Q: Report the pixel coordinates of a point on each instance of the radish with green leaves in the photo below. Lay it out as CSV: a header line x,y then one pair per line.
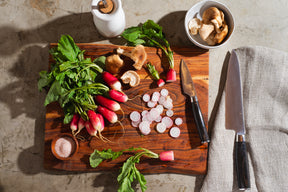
x,y
151,34
111,116
90,129
155,75
74,123
128,171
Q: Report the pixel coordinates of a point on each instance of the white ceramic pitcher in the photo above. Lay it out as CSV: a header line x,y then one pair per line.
x,y
109,24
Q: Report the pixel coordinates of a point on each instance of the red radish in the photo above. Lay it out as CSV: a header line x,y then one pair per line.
x,y
178,121
146,97
174,132
101,121
160,127
118,96
144,127
90,129
81,125
167,121
160,82
166,156
74,122
111,116
135,116
108,103
94,119
111,81
171,75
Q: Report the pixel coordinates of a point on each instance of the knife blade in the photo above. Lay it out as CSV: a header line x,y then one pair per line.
x,y
189,90
235,120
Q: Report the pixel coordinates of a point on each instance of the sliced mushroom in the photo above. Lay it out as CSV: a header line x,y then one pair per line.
x,y
113,63
131,77
205,31
220,36
138,55
214,16
194,26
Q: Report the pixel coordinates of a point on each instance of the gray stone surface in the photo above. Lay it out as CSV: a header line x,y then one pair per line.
x,y
26,28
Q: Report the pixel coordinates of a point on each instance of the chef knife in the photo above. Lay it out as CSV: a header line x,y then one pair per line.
x,y
235,120
189,89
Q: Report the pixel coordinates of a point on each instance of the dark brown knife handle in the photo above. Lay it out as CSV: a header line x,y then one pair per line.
x,y
242,166
199,121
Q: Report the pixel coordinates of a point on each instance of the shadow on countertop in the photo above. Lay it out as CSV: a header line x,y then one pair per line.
x,y
22,95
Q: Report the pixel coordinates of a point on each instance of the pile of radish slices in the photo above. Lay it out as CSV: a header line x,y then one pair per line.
x,y
160,111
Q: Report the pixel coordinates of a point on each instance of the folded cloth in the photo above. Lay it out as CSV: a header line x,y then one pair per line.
x,y
264,76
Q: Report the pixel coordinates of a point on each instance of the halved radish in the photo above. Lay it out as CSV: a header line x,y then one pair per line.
x,y
167,121
166,156
174,132
161,127
144,127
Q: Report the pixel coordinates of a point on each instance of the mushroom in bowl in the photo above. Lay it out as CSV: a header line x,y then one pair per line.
x,y
209,24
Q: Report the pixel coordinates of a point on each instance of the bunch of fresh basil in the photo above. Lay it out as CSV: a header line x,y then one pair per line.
x,y
72,80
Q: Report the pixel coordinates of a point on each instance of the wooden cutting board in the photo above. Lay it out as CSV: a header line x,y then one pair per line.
x,y
190,154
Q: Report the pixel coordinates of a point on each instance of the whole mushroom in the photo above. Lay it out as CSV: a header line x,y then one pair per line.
x,y
138,55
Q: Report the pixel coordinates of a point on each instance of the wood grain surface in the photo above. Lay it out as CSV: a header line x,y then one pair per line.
x,y
190,154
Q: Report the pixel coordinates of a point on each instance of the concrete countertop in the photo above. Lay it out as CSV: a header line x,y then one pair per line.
x,y
26,28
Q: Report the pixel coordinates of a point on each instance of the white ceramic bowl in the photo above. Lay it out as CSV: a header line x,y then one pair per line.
x,y
197,11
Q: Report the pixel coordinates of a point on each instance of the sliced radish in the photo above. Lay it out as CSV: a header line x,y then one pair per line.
x,y
135,116
160,108
154,114
161,127
155,96
178,121
143,113
174,132
169,113
151,104
159,118
144,127
135,123
164,92
167,121
146,97
168,105
162,100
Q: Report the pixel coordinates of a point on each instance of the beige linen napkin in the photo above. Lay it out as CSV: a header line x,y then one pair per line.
x,y
264,74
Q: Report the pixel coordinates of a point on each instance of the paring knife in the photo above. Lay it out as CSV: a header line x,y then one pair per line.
x,y
189,89
235,120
